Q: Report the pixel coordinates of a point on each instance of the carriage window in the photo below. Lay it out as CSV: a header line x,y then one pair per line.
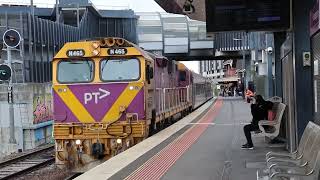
x,y
120,70
75,71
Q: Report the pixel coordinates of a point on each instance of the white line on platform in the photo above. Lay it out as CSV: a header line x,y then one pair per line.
x,y
194,124
218,124
231,124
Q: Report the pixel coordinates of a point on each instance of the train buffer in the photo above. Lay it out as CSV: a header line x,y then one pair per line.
x,y
204,145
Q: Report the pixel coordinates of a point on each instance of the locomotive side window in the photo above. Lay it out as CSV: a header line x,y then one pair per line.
x,y
182,75
75,71
120,69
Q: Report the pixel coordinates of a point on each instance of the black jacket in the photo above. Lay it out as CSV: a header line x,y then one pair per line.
x,y
260,111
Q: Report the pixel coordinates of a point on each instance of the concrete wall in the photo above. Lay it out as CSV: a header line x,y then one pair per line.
x,y
32,117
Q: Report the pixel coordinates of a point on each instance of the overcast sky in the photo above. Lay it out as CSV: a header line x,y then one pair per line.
x,y
136,5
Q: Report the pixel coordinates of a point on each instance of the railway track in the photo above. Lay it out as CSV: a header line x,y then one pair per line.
x,y
27,162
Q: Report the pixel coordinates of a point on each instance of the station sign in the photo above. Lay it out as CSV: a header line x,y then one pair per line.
x,y
11,38
247,15
5,72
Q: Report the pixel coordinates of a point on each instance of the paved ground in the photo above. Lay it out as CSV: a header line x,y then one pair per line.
x,y
206,148
217,153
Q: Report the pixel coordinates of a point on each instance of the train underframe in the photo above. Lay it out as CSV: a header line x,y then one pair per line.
x,y
82,146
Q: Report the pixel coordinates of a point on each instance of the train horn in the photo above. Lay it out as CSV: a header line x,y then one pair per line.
x,y
120,42
108,42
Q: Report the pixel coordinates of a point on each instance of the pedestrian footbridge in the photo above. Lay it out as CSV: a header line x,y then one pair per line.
x,y
179,37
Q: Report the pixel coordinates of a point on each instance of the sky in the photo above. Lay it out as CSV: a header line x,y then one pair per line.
x,y
136,5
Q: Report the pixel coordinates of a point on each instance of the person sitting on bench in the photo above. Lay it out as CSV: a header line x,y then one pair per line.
x,y
249,95
259,111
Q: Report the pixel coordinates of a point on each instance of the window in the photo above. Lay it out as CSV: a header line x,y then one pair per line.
x,y
120,70
75,71
182,75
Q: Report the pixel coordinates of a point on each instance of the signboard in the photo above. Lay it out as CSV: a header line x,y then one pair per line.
x,y
11,38
247,15
306,58
228,62
5,72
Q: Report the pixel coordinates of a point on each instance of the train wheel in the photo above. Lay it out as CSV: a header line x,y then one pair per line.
x,y
147,132
168,121
153,125
159,126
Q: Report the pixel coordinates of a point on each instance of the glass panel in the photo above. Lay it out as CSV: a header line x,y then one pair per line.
x,y
75,71
120,70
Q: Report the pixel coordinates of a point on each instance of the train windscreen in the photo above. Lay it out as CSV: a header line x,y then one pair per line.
x,y
75,71
120,70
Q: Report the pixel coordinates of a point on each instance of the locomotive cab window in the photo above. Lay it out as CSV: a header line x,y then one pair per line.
x,y
75,71
120,69
182,75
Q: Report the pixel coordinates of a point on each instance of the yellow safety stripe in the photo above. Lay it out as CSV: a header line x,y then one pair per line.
x,y
74,104
125,99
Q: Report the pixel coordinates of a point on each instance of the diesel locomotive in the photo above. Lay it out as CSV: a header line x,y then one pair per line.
x,y
109,94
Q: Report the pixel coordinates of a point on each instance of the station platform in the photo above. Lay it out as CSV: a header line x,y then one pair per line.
x,y
205,145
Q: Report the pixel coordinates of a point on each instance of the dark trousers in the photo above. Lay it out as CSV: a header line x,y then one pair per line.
x,y
247,132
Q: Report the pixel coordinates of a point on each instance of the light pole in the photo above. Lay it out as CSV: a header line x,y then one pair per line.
x,y
57,11
32,8
243,70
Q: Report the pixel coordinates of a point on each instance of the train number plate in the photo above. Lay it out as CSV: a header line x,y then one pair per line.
x,y
117,51
75,53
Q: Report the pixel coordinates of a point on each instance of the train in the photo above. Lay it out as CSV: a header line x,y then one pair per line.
x,y
109,94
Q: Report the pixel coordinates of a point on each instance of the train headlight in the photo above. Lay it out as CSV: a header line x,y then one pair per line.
x,y
78,142
119,141
131,87
122,108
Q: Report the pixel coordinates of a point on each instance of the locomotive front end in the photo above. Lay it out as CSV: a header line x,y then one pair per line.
x,y
99,100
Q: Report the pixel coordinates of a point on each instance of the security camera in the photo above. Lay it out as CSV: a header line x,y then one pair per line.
x,y
270,50
188,7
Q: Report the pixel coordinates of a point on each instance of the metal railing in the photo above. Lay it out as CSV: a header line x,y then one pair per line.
x,y
171,98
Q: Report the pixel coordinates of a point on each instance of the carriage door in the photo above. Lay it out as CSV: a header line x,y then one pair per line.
x,y
149,88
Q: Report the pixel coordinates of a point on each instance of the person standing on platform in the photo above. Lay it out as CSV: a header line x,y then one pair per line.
x,y
259,111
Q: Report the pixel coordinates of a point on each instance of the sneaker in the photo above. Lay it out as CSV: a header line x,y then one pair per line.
x,y
247,146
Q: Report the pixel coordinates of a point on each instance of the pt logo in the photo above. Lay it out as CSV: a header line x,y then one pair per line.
x,y
95,96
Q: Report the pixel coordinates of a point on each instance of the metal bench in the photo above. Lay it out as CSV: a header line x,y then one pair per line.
x,y
304,163
309,153
275,124
311,127
308,172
